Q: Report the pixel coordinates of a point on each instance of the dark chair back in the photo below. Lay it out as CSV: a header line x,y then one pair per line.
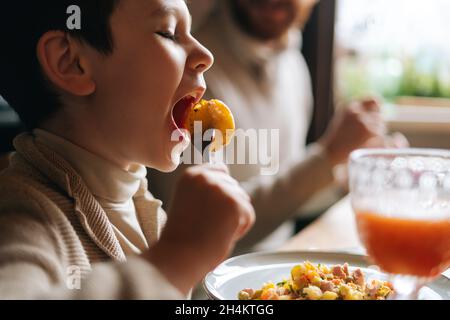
x,y
4,161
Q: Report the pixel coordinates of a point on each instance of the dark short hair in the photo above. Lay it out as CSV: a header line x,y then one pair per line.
x,y
22,23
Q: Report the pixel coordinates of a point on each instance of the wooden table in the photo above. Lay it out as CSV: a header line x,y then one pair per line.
x,y
334,231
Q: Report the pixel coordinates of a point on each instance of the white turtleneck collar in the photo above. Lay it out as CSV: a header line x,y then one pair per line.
x,y
113,187
106,181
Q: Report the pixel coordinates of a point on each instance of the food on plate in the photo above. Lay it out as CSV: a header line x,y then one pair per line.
x,y
321,282
213,114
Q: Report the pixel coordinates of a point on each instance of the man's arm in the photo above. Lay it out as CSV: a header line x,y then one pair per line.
x,y
278,198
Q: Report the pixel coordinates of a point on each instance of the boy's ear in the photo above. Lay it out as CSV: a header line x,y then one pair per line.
x,y
63,63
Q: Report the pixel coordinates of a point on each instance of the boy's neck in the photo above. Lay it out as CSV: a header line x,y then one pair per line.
x,y
86,138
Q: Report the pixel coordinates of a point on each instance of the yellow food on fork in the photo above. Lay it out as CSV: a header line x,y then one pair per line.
x,y
213,114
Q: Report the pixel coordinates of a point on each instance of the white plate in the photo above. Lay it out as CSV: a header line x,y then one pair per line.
x,y
253,270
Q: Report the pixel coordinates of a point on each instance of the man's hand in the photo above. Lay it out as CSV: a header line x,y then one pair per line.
x,y
210,212
351,129
394,140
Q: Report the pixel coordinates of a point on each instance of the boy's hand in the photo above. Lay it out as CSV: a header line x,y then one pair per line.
x,y
352,128
210,212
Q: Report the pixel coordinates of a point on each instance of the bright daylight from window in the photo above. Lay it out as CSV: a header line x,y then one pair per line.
x,y
397,49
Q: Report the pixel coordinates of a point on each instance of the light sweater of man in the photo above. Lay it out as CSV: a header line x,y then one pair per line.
x,y
268,87
56,239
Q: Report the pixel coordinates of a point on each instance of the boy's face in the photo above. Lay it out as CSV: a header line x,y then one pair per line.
x,y
267,19
155,63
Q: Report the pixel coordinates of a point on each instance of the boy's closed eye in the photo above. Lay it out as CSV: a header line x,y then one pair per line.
x,y
168,35
176,22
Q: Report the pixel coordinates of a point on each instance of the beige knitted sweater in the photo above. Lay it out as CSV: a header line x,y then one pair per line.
x,y
56,240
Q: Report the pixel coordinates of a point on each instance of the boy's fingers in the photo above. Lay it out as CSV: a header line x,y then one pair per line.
x,y
245,223
226,179
221,167
216,176
237,191
220,177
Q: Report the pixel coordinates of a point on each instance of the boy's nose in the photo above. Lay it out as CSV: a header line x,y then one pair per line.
x,y
201,58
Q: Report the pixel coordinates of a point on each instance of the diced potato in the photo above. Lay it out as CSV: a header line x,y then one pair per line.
x,y
298,271
316,281
325,269
348,293
344,289
269,285
329,295
313,292
352,285
243,295
384,291
300,283
309,266
311,274
357,295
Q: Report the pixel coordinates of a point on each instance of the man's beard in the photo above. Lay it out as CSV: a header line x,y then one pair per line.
x,y
259,29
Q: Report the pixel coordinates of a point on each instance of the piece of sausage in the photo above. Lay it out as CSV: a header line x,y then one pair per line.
x,y
358,276
339,272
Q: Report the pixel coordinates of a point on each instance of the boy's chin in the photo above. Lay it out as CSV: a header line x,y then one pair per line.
x,y
169,167
171,163
174,160
167,170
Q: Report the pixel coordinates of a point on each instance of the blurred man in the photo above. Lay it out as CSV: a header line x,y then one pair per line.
x,y
260,73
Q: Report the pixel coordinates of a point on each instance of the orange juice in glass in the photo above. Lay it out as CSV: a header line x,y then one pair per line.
x,y
401,200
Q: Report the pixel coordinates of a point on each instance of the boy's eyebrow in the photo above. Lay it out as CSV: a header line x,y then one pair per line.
x,y
167,10
164,11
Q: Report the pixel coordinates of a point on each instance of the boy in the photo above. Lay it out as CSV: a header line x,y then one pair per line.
x,y
98,102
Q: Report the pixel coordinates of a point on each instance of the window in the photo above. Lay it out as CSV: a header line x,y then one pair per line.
x,y
395,49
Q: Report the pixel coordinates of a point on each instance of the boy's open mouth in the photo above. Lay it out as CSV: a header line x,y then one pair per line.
x,y
180,110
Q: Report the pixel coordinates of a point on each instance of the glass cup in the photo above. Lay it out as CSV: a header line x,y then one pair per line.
x,y
401,199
